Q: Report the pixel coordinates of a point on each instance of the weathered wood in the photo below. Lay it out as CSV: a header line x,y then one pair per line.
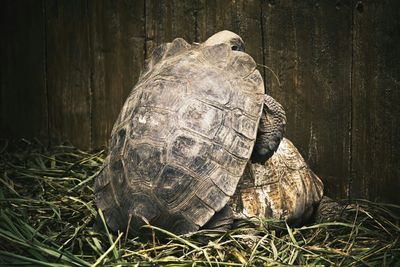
x,y
313,64
376,101
169,19
23,102
250,27
117,38
215,16
68,73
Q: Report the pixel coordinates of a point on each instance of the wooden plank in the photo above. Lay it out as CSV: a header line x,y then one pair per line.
x,y
170,19
23,103
376,98
308,46
215,16
250,27
117,38
68,73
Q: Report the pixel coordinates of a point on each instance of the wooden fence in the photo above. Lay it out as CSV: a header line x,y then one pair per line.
x,y
67,67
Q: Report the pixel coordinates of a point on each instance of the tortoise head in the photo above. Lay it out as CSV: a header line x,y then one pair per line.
x,y
226,37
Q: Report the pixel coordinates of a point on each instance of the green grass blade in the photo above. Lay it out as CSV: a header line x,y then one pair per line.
x,y
111,248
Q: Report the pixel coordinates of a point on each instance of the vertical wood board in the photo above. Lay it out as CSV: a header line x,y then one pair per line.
x,y
313,68
169,19
68,72
376,101
23,100
117,47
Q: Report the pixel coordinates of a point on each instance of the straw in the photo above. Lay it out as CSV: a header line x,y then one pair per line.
x,y
48,212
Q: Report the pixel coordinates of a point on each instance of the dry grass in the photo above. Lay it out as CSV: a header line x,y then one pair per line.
x,y
47,217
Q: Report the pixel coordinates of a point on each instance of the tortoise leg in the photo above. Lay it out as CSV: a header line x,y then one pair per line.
x,y
328,210
270,130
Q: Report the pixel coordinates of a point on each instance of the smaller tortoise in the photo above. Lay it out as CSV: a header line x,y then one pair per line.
x,y
284,188
185,135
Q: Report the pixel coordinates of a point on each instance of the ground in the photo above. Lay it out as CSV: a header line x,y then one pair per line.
x,y
48,215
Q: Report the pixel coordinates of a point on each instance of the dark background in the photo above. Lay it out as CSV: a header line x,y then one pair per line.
x,y
67,66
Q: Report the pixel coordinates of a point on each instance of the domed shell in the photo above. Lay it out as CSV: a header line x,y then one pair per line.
x,y
182,139
283,188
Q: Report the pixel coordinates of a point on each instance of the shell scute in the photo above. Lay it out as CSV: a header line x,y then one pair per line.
x,y
244,125
142,209
143,161
233,164
225,181
197,211
217,55
241,64
210,86
146,120
174,186
164,94
212,196
177,46
201,118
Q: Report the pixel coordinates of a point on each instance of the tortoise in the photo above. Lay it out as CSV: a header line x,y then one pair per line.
x,y
284,188
184,136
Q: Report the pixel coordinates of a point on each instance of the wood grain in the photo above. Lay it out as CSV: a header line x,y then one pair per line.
x,y
215,16
169,19
68,72
23,101
117,45
376,101
313,66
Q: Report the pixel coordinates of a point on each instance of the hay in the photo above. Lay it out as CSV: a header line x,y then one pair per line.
x,y
48,213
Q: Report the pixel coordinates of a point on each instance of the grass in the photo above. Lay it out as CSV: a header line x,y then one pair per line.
x,y
47,219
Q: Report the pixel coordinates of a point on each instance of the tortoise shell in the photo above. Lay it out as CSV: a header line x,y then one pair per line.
x,y
182,139
283,188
